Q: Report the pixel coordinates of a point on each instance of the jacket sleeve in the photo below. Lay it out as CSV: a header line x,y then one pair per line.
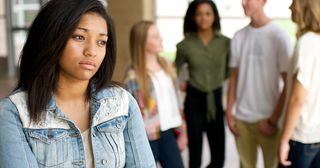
x,y
14,148
138,151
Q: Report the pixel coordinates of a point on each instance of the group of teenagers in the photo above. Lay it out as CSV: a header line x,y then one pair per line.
x,y
67,112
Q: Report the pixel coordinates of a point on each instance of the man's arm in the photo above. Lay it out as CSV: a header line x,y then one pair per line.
x,y
232,88
270,125
274,118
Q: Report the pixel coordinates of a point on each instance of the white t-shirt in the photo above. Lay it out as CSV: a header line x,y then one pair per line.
x,y
306,64
261,55
167,102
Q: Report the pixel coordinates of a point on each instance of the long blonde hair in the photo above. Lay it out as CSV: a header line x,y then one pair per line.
x,y
308,16
138,38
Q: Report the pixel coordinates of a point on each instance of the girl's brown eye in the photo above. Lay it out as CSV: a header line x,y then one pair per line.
x,y
102,43
78,37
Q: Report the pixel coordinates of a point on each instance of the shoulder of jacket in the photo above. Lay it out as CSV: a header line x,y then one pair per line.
x,y
19,99
111,92
114,102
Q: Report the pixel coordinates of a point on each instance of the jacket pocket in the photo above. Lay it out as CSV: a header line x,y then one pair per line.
x,y
115,125
111,134
50,146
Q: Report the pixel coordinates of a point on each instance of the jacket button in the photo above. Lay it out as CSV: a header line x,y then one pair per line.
x,y
118,125
104,161
94,134
75,134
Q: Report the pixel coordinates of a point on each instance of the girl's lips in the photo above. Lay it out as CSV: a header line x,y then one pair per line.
x,y
89,65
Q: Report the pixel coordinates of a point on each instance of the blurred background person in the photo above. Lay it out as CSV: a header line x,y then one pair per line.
x,y
300,137
205,51
152,82
260,54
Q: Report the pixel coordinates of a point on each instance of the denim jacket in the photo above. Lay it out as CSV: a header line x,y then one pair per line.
x,y
117,133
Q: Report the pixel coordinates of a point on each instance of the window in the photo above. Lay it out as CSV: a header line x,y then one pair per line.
x,y
170,19
23,13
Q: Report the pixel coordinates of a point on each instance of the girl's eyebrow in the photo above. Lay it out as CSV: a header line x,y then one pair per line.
x,y
86,30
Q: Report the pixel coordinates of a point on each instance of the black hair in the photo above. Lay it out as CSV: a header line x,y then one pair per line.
x,y
190,26
47,38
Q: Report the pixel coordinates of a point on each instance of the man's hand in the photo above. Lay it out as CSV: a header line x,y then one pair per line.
x,y
183,86
231,124
267,128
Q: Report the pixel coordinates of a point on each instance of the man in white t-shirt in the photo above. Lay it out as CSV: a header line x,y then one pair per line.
x,y
260,54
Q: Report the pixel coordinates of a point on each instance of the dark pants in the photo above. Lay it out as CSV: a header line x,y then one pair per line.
x,y
166,150
304,155
197,123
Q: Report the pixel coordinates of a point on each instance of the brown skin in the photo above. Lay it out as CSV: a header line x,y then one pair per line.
x,y
80,60
204,18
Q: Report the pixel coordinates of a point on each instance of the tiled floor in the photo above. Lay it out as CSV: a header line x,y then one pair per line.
x,y
232,161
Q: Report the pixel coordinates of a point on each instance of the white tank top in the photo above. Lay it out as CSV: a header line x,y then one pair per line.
x,y
86,138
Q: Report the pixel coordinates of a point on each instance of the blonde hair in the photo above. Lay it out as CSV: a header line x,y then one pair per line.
x,y
308,16
138,38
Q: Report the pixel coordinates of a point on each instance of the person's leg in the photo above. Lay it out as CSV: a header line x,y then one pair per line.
x,y
195,120
269,146
247,144
155,149
216,139
169,151
301,155
216,134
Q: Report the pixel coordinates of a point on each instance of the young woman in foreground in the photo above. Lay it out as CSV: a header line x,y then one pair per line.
x,y
66,112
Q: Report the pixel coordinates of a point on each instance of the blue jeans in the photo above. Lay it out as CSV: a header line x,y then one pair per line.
x,y
166,150
304,155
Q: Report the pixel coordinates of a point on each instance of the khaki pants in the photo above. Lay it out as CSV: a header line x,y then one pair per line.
x,y
249,141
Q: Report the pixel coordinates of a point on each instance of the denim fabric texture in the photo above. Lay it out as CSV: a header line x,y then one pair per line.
x,y
304,155
117,132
